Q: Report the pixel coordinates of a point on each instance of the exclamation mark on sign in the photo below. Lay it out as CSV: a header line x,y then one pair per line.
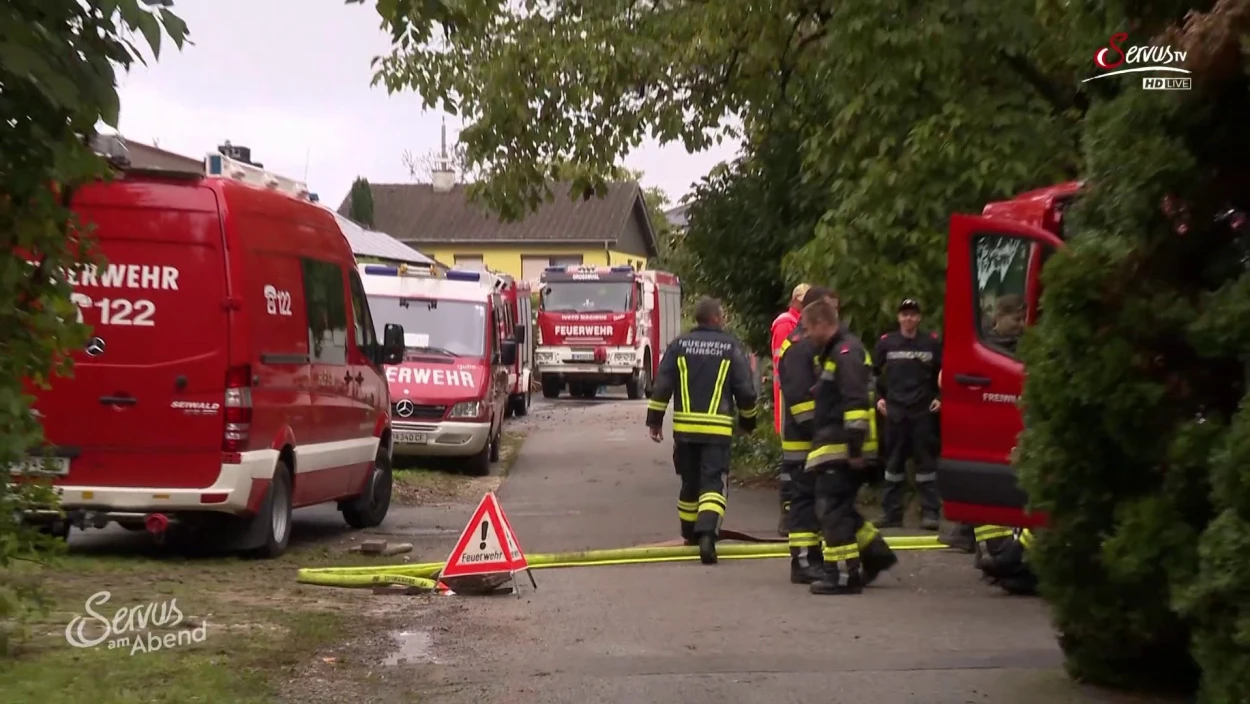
x,y
485,527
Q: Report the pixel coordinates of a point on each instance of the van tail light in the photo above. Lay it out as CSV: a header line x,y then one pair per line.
x,y
539,340
238,407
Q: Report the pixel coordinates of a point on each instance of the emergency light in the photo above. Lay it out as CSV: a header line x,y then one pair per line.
x,y
460,275
623,267
220,165
400,270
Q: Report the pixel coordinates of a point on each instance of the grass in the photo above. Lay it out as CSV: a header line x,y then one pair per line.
x,y
415,486
258,627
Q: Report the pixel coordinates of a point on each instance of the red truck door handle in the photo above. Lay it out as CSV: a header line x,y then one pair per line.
x,y
971,380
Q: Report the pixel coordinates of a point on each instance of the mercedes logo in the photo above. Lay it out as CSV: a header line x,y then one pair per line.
x,y
404,408
95,347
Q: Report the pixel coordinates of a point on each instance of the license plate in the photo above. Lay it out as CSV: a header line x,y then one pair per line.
x,y
410,438
56,466
583,356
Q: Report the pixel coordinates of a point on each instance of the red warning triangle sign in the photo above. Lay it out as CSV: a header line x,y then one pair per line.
x,y
487,545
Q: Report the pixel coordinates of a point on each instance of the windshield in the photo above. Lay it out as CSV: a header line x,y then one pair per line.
x,y
440,327
587,297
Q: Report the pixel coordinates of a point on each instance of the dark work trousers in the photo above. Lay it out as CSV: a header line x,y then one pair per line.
x,y
802,519
911,433
836,490
704,472
786,474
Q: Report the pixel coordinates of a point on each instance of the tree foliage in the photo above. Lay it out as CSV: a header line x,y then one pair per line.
x,y
57,81
361,202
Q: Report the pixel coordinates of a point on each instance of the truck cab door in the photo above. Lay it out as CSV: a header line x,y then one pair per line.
x,y
992,285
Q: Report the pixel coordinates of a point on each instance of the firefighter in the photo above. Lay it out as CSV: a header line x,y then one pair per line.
x,y
843,437
1000,555
707,375
908,362
783,326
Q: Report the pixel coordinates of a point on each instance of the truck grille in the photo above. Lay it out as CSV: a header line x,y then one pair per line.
x,y
408,410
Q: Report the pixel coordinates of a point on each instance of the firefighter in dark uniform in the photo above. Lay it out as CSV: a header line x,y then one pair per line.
x,y
1001,558
707,376
796,372
907,365
843,439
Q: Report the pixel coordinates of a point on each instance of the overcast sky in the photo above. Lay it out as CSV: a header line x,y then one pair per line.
x,y
290,79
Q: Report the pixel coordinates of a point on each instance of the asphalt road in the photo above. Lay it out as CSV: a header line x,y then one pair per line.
x,y
587,477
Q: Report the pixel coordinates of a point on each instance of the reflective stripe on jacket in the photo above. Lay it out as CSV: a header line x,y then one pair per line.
x,y
708,379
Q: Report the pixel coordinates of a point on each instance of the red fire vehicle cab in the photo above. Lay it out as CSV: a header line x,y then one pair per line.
x,y
602,326
992,290
518,318
451,388
233,371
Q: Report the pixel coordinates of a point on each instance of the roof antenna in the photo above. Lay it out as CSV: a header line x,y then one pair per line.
x,y
443,176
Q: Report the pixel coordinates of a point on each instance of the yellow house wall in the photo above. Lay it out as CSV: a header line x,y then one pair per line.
x,y
507,258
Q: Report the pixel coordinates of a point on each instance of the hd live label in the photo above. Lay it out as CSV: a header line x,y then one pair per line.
x,y
1158,83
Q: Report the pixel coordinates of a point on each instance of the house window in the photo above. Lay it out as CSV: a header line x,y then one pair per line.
x,y
470,261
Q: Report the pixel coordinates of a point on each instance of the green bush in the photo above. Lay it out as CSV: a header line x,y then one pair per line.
x,y
1138,431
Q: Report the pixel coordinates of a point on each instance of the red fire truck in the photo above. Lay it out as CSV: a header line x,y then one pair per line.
x,y
520,320
604,326
993,266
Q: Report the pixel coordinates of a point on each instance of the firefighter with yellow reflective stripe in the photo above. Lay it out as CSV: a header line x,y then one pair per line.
x,y
709,380
797,374
843,439
1000,555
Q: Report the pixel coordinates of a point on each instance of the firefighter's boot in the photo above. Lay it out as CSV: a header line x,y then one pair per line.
x,y
960,537
806,565
875,558
840,573
707,549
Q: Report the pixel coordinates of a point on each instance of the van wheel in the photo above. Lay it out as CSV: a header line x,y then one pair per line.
x,y
479,464
496,445
551,386
275,515
369,509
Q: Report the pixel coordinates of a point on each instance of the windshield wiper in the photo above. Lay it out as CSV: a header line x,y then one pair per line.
x,y
436,350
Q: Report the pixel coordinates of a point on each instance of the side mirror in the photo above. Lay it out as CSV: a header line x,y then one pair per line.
x,y
392,344
507,353
518,333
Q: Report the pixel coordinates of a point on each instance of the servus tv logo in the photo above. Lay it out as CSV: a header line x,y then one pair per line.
x,y
1115,60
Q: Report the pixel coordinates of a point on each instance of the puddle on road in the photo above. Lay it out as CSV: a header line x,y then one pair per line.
x,y
414,648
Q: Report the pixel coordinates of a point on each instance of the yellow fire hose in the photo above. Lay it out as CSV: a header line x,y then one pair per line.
x,y
423,575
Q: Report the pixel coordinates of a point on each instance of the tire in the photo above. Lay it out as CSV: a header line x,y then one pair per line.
x,y
276,512
479,464
521,407
369,509
639,385
509,407
58,529
590,391
496,445
646,368
551,386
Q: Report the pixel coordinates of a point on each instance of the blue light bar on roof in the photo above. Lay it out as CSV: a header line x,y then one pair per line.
x,y
623,267
555,268
380,270
458,275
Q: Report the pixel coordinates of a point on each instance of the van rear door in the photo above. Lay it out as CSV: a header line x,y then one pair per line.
x,y
992,271
143,407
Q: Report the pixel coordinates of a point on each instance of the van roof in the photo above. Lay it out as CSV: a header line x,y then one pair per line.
x,y
423,286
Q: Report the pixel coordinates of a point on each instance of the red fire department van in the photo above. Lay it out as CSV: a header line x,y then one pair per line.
x,y
233,371
992,290
519,319
451,389
602,326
